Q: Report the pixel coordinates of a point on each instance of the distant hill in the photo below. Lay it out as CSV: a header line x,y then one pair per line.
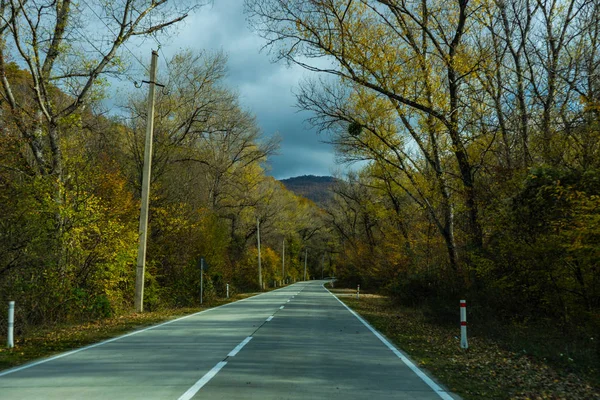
x,y
315,188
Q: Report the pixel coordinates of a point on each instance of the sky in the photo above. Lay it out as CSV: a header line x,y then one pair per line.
x,y
265,88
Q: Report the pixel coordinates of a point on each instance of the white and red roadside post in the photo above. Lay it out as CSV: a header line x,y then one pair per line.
x,y
358,292
464,344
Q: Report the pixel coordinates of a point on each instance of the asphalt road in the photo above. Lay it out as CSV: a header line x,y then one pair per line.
x,y
298,342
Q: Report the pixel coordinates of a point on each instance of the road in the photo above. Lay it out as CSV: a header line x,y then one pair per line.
x,y
298,342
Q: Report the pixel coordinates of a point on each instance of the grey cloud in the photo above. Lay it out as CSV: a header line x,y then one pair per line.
x,y
265,88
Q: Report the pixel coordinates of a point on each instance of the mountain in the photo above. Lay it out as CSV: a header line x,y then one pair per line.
x,y
315,188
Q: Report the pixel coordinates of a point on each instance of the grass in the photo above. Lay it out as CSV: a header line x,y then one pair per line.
x,y
487,370
50,340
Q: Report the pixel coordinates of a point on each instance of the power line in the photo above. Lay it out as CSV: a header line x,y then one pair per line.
x,y
163,54
111,31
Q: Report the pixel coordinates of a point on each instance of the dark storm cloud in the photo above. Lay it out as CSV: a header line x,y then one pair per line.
x,y
265,88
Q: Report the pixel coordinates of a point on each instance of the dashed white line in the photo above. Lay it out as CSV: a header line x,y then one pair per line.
x,y
191,392
202,381
237,349
288,301
281,308
270,318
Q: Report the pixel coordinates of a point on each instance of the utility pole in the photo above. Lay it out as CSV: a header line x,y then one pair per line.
x,y
260,283
141,258
283,262
305,256
201,279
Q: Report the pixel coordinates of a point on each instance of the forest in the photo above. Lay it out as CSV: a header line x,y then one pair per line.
x,y
71,172
477,125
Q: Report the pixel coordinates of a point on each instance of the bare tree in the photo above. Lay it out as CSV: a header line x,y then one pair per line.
x,y
208,150
70,46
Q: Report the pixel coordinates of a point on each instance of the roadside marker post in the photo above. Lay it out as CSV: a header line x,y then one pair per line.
x,y
464,344
358,292
10,343
228,290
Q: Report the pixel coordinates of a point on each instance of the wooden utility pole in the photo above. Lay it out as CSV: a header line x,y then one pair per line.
x,y
259,266
141,258
201,279
305,256
283,262
322,265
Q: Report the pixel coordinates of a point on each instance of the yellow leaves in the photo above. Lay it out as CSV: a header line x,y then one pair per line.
x,y
71,121
300,27
588,104
378,116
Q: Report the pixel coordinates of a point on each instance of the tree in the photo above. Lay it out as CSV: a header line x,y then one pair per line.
x,y
200,127
365,126
57,44
415,55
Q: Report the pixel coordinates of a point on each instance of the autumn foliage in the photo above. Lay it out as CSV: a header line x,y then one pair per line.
x,y
68,241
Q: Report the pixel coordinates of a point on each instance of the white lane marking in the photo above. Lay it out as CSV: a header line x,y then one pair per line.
x,y
91,346
202,381
270,318
281,308
237,349
434,386
288,301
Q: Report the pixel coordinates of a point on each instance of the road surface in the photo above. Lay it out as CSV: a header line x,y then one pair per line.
x,y
298,342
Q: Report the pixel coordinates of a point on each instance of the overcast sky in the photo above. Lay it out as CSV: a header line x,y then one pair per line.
x,y
265,88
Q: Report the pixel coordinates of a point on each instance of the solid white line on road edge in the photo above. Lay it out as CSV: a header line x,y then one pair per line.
x,y
281,308
202,381
270,318
56,357
436,388
237,349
